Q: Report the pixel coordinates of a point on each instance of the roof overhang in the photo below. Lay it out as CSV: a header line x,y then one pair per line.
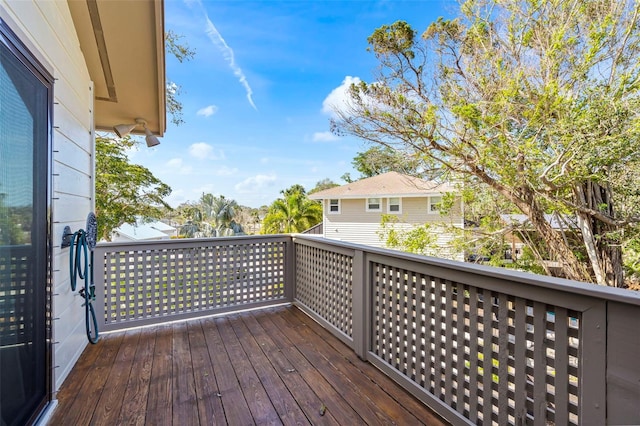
x,y
123,47
380,195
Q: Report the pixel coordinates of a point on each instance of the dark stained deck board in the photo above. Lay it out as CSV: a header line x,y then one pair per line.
x,y
254,392
233,400
185,406
377,378
109,405
383,409
305,397
285,405
273,366
134,404
210,408
159,410
331,398
89,388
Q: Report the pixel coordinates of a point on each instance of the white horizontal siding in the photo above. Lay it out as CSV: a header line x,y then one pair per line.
x,y
47,29
355,224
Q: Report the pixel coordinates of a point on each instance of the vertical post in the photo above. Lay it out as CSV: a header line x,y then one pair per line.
x,y
360,305
623,369
289,269
593,364
98,279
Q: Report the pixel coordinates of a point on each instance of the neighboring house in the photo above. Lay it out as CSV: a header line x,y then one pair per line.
x,y
522,233
353,212
144,231
67,69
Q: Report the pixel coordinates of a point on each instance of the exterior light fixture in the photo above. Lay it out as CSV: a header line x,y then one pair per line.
x,y
123,130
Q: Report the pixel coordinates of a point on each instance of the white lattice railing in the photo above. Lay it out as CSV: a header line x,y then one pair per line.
x,y
16,290
479,345
158,281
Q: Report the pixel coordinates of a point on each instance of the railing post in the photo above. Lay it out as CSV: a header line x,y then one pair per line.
x,y
623,369
360,305
593,365
98,280
290,269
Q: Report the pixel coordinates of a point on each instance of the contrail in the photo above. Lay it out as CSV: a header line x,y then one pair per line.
x,y
217,39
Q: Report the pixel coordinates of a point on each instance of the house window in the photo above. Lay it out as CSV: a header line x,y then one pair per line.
x,y
394,205
334,206
373,204
434,204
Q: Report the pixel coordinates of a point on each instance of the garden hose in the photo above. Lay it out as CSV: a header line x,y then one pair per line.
x,y
81,267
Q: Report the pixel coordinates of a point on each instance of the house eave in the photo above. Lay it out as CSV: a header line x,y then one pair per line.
x,y
123,46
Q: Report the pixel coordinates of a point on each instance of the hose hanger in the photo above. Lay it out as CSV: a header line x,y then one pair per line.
x,y
81,244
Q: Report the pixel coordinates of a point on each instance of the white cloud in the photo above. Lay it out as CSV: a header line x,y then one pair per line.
x,y
204,151
177,165
226,171
207,111
255,183
338,99
324,137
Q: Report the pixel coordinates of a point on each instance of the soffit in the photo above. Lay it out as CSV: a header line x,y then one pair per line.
x,y
123,46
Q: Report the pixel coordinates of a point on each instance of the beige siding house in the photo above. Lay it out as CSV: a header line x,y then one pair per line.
x,y
67,69
353,212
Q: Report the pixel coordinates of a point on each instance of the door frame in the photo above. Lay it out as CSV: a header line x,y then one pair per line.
x,y
30,61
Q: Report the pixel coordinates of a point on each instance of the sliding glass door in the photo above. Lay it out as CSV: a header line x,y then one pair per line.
x,y
25,103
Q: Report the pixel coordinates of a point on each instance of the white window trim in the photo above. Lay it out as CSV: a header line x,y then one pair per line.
x,y
329,206
429,211
366,204
399,205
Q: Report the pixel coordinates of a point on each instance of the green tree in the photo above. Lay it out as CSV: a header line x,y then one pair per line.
x,y
381,159
537,100
124,191
193,221
182,52
292,213
323,184
224,212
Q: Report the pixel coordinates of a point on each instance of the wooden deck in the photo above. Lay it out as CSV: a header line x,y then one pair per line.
x,y
273,366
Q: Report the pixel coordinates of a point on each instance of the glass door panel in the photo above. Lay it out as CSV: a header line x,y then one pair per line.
x,y
24,124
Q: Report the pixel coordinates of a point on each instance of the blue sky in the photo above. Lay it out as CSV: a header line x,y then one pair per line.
x,y
257,96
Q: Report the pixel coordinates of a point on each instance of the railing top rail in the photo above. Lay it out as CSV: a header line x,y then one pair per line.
x,y
559,284
190,242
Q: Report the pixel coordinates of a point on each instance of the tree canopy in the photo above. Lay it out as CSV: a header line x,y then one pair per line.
x,y
322,185
124,191
536,100
381,159
182,52
211,216
294,212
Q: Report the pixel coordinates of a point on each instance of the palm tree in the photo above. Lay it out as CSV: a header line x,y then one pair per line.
x,y
223,212
294,213
207,203
194,221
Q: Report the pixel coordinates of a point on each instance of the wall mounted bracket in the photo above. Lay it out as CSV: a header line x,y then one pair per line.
x,y
66,237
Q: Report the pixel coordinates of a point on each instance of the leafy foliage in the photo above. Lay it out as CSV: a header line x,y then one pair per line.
x,y
322,185
535,100
292,213
382,159
124,191
182,52
211,216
